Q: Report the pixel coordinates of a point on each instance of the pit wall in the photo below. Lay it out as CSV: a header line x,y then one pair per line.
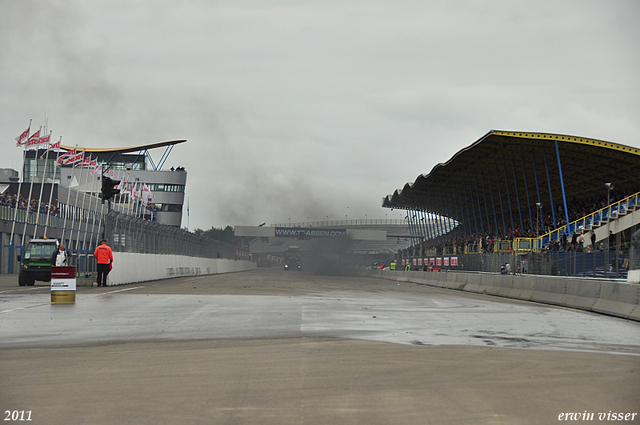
x,y
619,299
132,268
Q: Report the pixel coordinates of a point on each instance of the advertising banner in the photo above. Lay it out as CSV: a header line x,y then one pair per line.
x,y
63,285
308,232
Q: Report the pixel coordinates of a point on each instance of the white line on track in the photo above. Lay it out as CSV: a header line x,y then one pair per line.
x,y
123,290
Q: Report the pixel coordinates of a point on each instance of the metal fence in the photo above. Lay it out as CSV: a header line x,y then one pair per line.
x,y
611,263
83,221
601,264
127,233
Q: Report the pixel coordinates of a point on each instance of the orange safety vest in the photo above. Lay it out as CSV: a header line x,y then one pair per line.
x,y
103,254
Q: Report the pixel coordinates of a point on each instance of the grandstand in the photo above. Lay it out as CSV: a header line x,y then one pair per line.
x,y
525,193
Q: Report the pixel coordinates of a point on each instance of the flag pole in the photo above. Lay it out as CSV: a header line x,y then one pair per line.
x,y
67,208
15,213
53,182
75,207
28,205
44,176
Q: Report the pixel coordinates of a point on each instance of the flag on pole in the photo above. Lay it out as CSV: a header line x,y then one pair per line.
x,y
45,139
98,169
22,138
66,155
145,195
56,145
88,162
74,159
34,139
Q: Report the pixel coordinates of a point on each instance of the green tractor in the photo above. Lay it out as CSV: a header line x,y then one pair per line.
x,y
36,264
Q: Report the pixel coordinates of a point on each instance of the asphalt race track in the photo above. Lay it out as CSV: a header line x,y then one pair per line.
x,y
275,347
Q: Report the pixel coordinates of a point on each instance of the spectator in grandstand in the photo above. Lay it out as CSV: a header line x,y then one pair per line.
x,y
574,241
612,241
581,242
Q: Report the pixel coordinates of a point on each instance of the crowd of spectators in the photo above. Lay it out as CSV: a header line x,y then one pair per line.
x,y
486,242
33,206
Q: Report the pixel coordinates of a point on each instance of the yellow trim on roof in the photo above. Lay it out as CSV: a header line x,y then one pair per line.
x,y
571,139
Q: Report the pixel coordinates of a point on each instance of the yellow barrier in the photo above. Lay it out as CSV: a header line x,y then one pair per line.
x,y
472,249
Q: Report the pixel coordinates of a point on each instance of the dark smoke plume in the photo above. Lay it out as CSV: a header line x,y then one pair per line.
x,y
329,257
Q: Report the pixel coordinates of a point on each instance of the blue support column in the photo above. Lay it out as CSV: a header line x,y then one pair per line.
x,y
430,226
479,208
440,217
553,209
423,226
452,215
524,173
504,222
493,203
447,222
535,174
475,221
486,206
515,183
459,219
467,225
444,215
408,218
449,216
564,197
506,183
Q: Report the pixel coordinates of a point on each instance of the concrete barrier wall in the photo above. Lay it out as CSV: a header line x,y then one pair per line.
x,y
132,268
621,299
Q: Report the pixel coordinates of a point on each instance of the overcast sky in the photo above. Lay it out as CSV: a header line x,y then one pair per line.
x,y
296,109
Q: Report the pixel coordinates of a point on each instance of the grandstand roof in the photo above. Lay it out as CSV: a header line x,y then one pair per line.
x,y
502,163
127,149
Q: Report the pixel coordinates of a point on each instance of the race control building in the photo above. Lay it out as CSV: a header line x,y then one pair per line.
x,y
134,163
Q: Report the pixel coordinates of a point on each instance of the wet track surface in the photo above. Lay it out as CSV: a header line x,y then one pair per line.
x,y
274,304
270,347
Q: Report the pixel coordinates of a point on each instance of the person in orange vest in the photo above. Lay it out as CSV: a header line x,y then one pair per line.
x,y
104,257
